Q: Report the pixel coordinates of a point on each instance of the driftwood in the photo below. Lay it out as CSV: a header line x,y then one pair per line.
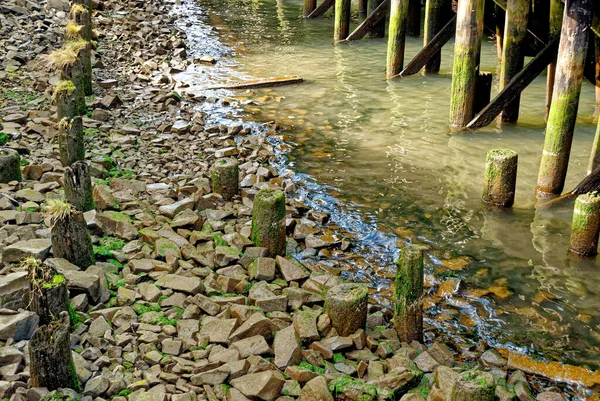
x,y
261,83
321,9
371,22
51,361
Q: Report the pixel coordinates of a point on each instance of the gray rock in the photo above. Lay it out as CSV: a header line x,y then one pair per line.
x,y
264,386
14,291
189,285
96,387
286,346
18,326
37,248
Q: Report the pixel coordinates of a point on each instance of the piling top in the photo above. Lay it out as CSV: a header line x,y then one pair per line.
x,y
590,198
501,154
269,195
9,152
348,292
226,162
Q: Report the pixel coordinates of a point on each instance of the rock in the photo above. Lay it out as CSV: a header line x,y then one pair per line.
x,y
305,323
174,208
257,324
30,195
104,198
264,386
255,345
149,292
262,269
290,269
125,296
117,224
316,390
18,326
474,385
14,290
96,387
212,377
491,358
218,331
189,285
286,347
99,326
37,248
84,282
550,396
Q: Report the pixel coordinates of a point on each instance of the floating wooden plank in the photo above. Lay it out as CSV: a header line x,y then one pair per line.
x,y
321,9
431,49
261,83
372,20
515,86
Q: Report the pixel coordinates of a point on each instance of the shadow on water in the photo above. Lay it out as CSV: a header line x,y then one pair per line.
x,y
377,155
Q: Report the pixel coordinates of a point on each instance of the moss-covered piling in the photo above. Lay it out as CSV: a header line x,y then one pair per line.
x,y
268,221
500,177
65,98
408,294
309,7
346,306
586,225
341,27
70,140
10,165
435,11
225,177
78,186
515,30
556,14
469,31
565,98
378,30
396,37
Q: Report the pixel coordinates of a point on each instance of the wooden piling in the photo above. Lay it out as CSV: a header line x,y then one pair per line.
x,y
225,177
70,140
500,177
413,18
10,165
434,21
408,294
362,8
378,30
396,37
499,18
565,99
342,20
309,7
469,31
78,186
65,98
595,154
346,306
268,221
556,15
48,289
515,30
586,225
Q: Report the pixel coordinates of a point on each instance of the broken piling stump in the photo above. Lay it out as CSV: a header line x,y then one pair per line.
x,y
79,29
78,186
408,294
500,177
225,177
51,361
10,165
64,97
346,306
268,221
70,140
586,224
49,294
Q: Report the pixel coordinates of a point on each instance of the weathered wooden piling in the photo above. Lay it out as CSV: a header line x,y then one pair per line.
x,y
556,15
346,306
515,30
434,22
500,177
362,8
48,289
66,61
70,140
78,186
268,221
469,30
309,7
51,362
483,91
396,37
70,237
408,294
65,99
80,28
595,154
225,177
10,165
379,29
341,27
586,224
565,98
413,18
499,19
474,385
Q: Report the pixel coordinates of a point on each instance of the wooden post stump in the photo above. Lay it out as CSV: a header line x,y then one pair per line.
x,y
49,294
515,30
70,237
556,14
378,30
78,186
500,177
10,165
413,19
81,16
434,22
465,70
346,306
74,72
70,140
225,177
51,361
65,99
483,91
565,98
396,37
309,7
342,20
474,385
408,294
268,221
586,225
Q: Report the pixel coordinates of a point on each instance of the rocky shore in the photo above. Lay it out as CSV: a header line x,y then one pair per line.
x,y
181,305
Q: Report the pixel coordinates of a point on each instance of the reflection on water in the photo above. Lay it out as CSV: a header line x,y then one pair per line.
x,y
383,150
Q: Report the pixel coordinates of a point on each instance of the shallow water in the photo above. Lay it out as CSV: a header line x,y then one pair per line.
x,y
382,150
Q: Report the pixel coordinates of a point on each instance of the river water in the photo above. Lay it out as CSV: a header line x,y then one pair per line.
x,y
379,151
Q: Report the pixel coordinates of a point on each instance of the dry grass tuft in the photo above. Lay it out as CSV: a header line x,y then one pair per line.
x,y
72,30
57,209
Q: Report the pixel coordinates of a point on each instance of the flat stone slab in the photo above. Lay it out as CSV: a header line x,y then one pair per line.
x,y
37,248
189,285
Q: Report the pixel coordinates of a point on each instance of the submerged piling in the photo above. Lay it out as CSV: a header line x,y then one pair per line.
x,y
309,7
396,37
342,20
556,15
434,21
500,177
586,224
565,98
469,30
515,29
408,294
378,30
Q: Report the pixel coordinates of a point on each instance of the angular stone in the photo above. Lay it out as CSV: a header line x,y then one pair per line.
x,y
255,345
264,386
257,324
262,269
174,208
219,331
290,269
37,248
189,285
117,224
212,377
18,326
305,323
14,290
316,390
286,347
